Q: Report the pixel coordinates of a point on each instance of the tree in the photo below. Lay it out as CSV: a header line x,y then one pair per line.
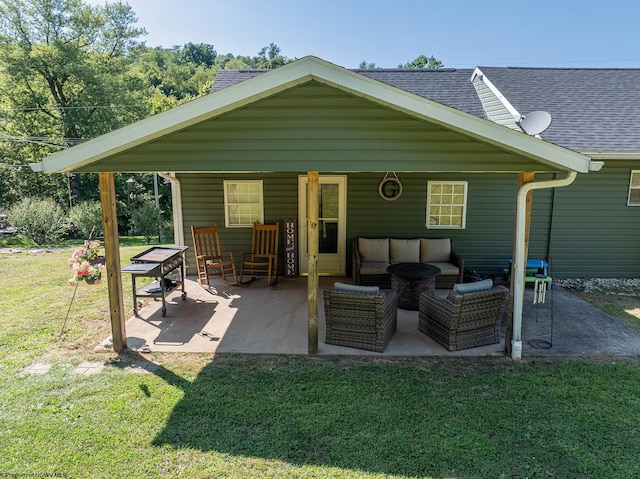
x,y
200,54
270,57
41,220
67,62
64,77
145,218
423,62
367,66
176,75
86,216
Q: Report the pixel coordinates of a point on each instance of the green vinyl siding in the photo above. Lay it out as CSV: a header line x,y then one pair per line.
x,y
584,229
203,205
595,234
486,242
315,128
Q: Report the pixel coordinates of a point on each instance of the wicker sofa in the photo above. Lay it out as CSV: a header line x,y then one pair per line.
x,y
360,317
468,317
372,256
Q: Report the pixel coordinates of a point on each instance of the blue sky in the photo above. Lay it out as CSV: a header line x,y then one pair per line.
x,y
461,34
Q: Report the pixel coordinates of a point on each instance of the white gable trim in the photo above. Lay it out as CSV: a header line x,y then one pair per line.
x,y
477,73
297,73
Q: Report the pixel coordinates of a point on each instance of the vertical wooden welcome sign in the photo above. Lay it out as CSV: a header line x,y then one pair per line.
x,y
291,247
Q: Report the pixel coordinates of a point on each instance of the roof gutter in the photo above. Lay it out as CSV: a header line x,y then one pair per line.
x,y
176,202
519,262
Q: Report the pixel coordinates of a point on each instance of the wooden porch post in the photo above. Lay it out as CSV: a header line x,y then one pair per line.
x,y
112,251
312,279
523,177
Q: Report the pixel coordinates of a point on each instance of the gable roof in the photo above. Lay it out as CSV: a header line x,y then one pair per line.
x,y
593,110
302,71
447,86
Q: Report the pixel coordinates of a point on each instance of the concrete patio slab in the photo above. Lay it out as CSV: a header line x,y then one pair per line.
x,y
573,327
260,319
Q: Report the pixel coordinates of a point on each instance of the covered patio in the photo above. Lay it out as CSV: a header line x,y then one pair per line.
x,y
254,319
309,118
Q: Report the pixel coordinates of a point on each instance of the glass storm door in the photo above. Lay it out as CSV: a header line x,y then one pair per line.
x,y
331,224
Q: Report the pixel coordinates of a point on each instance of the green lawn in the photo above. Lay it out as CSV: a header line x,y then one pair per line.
x,y
237,416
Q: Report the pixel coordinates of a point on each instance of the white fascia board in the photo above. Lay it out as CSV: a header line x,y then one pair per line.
x,y
612,155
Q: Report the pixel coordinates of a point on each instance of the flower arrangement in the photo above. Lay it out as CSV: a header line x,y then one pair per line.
x,y
87,263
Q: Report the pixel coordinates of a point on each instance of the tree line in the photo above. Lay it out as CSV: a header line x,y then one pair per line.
x,y
71,71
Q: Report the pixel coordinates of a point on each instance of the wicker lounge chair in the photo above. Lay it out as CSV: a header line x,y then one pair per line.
x,y
466,320
363,320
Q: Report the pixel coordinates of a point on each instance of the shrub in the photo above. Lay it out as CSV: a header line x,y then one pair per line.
x,y
87,217
41,220
145,220
167,232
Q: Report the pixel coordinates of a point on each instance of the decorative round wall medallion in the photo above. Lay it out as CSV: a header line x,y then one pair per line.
x,y
390,189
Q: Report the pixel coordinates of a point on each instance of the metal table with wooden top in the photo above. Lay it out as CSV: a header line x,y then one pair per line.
x,y
157,262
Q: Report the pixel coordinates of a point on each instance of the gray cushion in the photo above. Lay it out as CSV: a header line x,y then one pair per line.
x,y
356,288
376,250
484,285
370,267
435,250
446,269
404,251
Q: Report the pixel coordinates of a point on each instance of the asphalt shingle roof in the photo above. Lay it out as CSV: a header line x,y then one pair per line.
x,y
591,109
447,86
226,78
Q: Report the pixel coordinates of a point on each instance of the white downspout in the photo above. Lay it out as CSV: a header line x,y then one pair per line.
x,y
176,201
518,262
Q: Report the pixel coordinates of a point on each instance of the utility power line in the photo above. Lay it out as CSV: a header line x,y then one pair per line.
x,y
89,107
43,140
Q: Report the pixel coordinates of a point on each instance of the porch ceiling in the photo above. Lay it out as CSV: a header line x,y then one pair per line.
x,y
312,115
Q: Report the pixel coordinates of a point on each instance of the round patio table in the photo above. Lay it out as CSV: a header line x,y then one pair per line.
x,y
410,280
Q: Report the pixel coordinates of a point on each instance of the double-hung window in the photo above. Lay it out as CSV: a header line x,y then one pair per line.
x,y
634,189
446,204
243,203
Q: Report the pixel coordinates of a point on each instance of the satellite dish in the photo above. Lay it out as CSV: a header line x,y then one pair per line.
x,y
535,122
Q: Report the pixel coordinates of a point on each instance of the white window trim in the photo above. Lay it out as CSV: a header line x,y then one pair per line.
x,y
464,205
631,188
227,204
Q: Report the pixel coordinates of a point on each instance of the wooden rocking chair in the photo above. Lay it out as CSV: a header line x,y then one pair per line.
x,y
263,258
210,260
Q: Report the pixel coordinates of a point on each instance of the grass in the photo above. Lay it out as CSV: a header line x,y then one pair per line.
x,y
240,416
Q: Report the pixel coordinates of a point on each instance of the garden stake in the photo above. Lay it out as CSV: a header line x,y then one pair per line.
x,y
67,316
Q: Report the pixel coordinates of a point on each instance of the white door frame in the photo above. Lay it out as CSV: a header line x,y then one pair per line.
x,y
328,264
